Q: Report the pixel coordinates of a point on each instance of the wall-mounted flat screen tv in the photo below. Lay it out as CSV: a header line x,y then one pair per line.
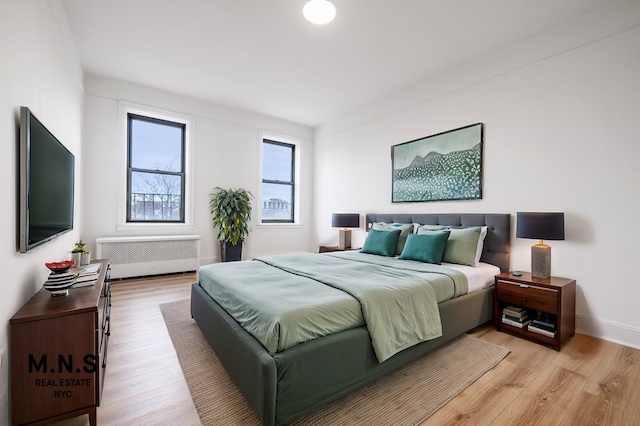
x,y
46,175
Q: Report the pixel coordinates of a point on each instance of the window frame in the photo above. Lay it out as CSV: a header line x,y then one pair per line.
x,y
295,157
131,169
187,224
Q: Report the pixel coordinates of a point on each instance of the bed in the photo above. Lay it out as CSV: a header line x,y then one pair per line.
x,y
283,385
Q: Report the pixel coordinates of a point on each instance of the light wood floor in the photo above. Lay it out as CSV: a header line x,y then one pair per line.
x,y
590,382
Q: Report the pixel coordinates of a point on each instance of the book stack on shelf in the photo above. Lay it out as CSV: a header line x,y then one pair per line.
x,y
545,326
88,275
515,316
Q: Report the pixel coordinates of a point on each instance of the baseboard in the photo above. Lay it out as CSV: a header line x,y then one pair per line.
x,y
606,330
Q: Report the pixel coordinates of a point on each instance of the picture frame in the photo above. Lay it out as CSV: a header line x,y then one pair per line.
x,y
444,166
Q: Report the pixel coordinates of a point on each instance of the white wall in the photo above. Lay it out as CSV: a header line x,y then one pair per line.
x,y
39,69
561,134
227,146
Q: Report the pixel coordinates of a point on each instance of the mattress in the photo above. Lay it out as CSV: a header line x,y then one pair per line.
x,y
479,277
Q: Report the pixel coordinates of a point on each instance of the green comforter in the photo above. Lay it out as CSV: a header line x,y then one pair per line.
x,y
284,300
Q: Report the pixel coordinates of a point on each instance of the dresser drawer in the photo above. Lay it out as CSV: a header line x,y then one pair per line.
x,y
528,296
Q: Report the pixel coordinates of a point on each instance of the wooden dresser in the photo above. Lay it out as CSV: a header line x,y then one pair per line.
x,y
59,353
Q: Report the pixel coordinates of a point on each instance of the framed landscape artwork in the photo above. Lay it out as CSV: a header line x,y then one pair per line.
x,y
445,166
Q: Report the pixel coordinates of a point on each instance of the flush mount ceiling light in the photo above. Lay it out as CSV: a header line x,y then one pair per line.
x,y
319,12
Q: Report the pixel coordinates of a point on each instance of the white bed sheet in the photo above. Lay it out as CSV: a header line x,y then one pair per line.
x,y
479,277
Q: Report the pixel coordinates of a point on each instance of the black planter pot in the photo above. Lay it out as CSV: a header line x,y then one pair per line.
x,y
231,253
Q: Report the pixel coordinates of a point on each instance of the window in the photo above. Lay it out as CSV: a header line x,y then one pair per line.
x,y
278,182
155,170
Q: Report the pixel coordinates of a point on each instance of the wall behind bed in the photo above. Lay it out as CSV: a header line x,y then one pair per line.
x,y
561,122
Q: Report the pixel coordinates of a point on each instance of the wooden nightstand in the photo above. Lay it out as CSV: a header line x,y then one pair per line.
x,y
326,249
555,297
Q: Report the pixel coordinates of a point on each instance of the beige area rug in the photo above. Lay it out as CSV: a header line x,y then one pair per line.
x,y
405,397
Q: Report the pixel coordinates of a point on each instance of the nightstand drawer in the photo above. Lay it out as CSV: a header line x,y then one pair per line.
x,y
528,296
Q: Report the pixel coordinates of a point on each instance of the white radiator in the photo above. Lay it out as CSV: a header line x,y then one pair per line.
x,y
141,256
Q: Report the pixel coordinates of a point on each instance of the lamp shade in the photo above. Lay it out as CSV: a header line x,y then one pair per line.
x,y
540,226
345,220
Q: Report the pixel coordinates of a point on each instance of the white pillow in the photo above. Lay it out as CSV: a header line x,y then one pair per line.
x,y
483,234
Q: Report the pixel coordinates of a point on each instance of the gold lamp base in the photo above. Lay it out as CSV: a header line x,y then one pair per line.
x,y
540,260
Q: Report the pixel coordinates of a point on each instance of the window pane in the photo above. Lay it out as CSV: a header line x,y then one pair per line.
x,y
156,169
156,146
277,162
156,196
277,202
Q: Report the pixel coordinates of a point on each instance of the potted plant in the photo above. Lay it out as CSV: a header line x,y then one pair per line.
x,y
80,255
231,209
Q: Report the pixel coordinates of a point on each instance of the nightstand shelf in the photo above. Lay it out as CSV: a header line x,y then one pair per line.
x,y
554,296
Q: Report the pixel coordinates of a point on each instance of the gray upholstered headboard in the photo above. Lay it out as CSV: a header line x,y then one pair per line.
x,y
496,244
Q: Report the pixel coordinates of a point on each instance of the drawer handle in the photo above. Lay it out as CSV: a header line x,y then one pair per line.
x,y
524,285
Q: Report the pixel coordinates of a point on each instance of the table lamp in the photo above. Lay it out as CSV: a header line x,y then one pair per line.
x,y
540,226
345,221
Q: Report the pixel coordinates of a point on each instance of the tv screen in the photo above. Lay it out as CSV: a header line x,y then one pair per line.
x,y
46,184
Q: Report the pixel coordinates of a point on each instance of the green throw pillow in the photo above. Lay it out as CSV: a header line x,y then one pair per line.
x,y
427,248
382,243
405,230
461,246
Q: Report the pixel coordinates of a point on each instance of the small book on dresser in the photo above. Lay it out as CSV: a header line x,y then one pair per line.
x,y
88,275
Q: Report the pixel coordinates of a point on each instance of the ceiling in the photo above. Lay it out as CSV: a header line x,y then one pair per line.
x,y
262,56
